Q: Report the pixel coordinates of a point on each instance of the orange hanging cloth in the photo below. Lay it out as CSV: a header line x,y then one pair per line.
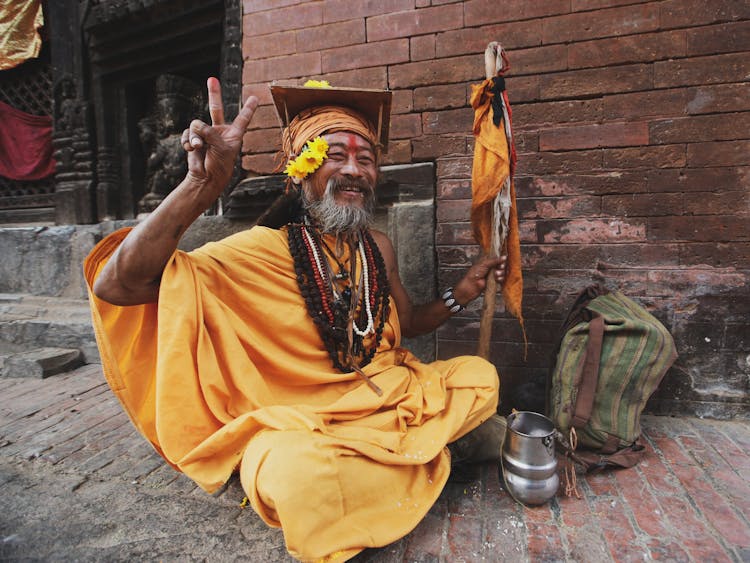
x,y
20,41
494,217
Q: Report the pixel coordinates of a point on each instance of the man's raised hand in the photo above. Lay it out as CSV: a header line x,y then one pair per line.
x,y
212,149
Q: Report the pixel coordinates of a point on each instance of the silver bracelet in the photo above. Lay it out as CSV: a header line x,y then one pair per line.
x,y
450,301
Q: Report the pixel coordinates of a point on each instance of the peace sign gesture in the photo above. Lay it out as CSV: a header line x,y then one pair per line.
x,y
212,149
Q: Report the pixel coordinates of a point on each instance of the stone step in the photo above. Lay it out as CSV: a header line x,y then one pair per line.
x,y
40,362
28,322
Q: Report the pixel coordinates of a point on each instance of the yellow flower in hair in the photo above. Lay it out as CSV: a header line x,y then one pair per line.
x,y
317,84
313,155
318,145
292,171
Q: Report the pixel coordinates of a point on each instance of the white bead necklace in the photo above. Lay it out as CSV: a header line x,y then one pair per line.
x,y
370,327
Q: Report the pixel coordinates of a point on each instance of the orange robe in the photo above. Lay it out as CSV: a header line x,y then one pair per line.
x,y
228,372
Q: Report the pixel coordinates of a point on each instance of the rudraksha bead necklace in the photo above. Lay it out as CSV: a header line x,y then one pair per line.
x,y
345,307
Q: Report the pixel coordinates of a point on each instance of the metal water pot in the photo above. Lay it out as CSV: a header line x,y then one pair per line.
x,y
529,465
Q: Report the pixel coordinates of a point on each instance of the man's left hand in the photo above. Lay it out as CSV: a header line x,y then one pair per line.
x,y
474,281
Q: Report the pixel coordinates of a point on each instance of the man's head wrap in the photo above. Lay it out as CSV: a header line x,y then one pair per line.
x,y
318,120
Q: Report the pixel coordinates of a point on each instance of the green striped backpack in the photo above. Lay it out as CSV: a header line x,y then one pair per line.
x,y
612,356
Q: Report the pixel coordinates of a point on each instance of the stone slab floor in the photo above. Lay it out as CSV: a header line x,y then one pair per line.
x,y
78,484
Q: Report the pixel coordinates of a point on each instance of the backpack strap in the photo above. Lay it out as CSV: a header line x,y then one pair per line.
x,y
590,375
625,457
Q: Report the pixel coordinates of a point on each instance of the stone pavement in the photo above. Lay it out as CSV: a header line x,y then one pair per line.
x,y
78,484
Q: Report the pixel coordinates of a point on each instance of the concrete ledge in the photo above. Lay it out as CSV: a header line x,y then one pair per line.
x,y
40,363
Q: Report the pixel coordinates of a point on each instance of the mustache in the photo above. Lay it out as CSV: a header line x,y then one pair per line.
x,y
359,184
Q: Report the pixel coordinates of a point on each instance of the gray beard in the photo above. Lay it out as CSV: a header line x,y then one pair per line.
x,y
335,218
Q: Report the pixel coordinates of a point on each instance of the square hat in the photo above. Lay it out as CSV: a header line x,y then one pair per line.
x,y
373,105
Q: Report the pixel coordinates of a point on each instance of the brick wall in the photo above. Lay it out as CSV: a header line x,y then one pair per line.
x,y
632,125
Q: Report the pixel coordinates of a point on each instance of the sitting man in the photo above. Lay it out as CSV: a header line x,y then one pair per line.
x,y
275,352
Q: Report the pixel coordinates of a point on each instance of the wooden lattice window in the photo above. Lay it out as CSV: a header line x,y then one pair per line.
x,y
28,88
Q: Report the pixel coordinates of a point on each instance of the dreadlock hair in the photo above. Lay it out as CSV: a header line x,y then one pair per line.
x,y
287,208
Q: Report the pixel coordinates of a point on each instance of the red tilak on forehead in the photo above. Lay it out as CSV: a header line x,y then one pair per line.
x,y
351,143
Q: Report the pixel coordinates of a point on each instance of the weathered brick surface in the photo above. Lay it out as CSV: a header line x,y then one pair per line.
x,y
631,127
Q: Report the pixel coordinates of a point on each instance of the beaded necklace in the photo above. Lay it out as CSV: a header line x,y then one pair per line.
x,y
346,308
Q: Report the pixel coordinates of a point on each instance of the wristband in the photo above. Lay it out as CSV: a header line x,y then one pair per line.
x,y
450,301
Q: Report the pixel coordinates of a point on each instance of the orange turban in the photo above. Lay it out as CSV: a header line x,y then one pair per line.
x,y
315,121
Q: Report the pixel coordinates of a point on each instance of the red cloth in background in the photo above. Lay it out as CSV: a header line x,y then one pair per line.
x,y
25,144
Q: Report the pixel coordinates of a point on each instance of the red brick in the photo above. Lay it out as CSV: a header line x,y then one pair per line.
x,y
713,459
700,71
591,231
478,12
261,91
559,163
265,117
559,208
284,19
373,77
291,66
443,71
271,45
440,97
720,228
262,140
262,164
661,103
453,210
592,136
426,540
544,542
422,47
582,531
524,141
627,20
717,255
414,22
586,5
434,146
664,156
718,98
625,50
688,13
464,536
556,113
715,39
399,152
559,257
696,179
552,58
367,54
338,10
579,83
454,233
716,203
728,153
642,205
250,6
448,121
351,32
523,89
453,189
459,167
722,127
715,508
402,102
406,126
513,35
618,531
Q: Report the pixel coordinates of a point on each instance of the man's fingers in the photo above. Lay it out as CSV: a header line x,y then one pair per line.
x,y
197,132
215,105
243,118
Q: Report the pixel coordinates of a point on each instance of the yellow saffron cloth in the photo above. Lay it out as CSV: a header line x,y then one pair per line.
x,y
19,39
229,372
490,169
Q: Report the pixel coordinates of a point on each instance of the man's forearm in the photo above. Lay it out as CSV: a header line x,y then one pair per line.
x,y
133,273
